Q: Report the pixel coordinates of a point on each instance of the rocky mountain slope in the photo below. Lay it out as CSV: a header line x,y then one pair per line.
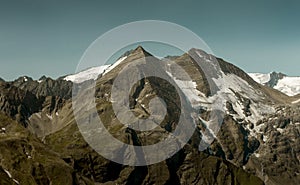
x,y
26,160
45,86
257,142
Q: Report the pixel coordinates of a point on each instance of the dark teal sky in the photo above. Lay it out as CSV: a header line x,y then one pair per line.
x,y
40,37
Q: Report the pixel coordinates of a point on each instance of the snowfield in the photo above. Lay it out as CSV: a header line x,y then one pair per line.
x,y
89,74
288,85
260,78
93,72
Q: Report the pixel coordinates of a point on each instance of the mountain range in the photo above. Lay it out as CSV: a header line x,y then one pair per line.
x,y
257,143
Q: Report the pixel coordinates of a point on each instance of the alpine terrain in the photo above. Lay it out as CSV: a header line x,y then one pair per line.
x,y
257,142
286,84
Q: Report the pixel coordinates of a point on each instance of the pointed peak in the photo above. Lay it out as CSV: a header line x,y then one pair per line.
x,y
43,77
140,51
276,76
278,73
24,79
140,48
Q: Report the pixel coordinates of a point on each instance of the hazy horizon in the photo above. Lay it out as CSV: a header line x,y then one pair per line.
x,y
49,37
156,53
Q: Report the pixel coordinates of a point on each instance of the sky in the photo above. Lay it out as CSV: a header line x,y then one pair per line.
x,y
39,37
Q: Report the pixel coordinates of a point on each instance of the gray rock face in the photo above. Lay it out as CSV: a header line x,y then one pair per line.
x,y
45,87
17,103
279,152
274,78
21,99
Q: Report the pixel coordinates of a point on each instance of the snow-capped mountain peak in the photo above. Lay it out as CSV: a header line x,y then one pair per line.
x,y
289,85
286,84
260,78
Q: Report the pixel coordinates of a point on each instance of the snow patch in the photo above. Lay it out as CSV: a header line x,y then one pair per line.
x,y
257,155
17,182
189,89
265,138
295,102
49,116
280,130
8,173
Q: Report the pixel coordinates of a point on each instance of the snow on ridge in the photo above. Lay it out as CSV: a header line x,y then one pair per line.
x,y
10,176
260,78
109,68
89,74
8,173
49,116
93,72
287,85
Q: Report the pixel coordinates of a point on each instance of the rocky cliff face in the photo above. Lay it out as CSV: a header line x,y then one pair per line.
x,y
45,86
17,103
274,78
259,132
36,104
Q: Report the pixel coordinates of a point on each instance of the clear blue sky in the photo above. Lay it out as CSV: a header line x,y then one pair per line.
x,y
40,37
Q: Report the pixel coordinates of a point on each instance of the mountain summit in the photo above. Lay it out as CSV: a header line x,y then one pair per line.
x,y
286,84
140,51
